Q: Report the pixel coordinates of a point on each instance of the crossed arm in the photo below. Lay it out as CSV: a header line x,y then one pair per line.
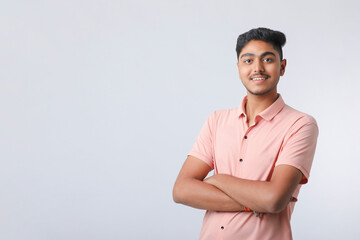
x,y
223,192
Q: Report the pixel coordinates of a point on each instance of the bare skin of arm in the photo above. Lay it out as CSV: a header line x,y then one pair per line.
x,y
191,190
262,196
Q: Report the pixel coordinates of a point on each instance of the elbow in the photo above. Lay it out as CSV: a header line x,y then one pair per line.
x,y
276,208
177,194
181,192
275,203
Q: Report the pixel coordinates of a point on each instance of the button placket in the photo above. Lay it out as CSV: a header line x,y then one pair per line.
x,y
243,148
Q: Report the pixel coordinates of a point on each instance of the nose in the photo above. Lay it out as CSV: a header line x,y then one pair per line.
x,y
258,66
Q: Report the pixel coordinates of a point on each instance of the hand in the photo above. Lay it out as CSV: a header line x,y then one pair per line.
x,y
213,179
218,179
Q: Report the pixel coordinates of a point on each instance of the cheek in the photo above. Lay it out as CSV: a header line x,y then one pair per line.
x,y
243,72
275,70
243,76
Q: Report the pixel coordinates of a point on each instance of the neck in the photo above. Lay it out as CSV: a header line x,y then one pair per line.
x,y
257,103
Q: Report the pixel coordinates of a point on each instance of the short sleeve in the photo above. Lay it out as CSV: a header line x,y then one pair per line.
x,y
203,146
299,146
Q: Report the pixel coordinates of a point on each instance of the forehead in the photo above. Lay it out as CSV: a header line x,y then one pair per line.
x,y
257,47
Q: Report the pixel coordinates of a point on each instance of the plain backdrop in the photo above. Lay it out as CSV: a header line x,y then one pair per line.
x,y
102,100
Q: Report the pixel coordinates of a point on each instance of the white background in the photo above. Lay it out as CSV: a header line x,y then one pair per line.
x,y
102,100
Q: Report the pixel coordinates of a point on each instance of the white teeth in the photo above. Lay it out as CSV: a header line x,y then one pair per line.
x,y
258,79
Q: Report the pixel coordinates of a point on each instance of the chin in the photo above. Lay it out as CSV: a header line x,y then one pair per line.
x,y
260,92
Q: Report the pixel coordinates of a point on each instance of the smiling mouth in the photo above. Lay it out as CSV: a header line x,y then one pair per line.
x,y
259,77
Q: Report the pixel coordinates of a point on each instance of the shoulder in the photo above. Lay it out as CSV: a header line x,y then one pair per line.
x,y
296,120
225,115
222,118
290,114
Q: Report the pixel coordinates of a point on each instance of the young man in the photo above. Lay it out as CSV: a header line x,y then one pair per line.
x,y
261,152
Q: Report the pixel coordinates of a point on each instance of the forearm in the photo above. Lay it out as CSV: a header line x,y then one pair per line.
x,y
198,194
261,196
252,194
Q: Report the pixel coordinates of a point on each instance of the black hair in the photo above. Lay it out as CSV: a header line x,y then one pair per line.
x,y
276,38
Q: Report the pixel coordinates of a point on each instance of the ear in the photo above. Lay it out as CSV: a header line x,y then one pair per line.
x,y
237,64
282,67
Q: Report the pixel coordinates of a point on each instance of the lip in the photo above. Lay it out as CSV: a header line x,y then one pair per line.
x,y
259,78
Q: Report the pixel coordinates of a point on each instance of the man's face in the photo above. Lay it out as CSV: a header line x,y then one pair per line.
x,y
260,68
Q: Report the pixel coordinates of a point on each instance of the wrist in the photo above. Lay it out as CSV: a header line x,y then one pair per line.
x,y
246,209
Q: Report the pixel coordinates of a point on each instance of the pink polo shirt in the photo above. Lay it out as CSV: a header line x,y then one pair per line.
x,y
280,135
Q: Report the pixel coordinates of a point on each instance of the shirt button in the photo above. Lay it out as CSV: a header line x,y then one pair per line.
x,y
245,137
241,160
222,227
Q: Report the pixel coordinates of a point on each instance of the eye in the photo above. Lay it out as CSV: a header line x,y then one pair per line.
x,y
247,61
268,60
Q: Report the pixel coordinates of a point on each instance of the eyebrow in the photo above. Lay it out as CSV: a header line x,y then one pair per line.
x,y
253,55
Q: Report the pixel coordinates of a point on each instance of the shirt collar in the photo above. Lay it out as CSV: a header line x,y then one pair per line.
x,y
268,113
